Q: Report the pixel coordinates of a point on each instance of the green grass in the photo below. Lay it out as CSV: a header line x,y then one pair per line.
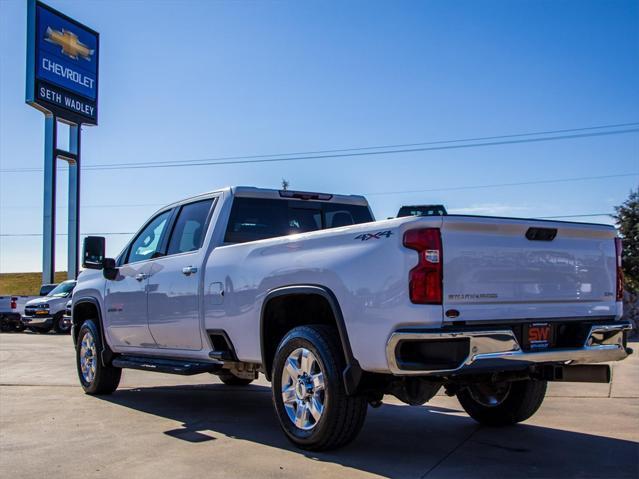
x,y
24,284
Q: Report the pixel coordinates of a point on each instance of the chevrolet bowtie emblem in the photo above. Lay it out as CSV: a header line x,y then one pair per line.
x,y
71,46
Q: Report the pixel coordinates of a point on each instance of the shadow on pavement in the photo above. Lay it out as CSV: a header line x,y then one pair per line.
x,y
396,441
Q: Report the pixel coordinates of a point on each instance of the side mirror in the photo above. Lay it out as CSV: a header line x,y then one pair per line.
x,y
93,252
109,263
110,270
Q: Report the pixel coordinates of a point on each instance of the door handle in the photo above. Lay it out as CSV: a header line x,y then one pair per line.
x,y
188,270
141,276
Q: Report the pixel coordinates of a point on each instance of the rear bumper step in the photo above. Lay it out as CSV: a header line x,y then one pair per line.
x,y
455,352
169,366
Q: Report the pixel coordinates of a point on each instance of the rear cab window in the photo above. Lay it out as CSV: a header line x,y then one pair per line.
x,y
254,219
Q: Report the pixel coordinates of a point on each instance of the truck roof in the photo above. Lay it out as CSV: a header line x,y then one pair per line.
x,y
253,192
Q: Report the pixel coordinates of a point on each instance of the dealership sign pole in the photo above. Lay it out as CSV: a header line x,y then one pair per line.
x,y
62,82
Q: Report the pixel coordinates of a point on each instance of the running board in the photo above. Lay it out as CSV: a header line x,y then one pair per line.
x,y
168,366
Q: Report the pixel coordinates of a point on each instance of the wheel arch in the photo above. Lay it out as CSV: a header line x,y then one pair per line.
x,y
79,315
352,372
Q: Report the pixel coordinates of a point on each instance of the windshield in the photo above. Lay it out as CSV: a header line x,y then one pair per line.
x,y
62,289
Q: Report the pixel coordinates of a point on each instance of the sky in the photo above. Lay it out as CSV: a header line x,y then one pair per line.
x,y
190,80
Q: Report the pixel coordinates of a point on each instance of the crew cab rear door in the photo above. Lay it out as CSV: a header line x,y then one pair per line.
x,y
507,269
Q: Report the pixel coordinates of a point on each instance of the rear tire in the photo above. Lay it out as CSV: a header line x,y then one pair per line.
x,y
95,378
307,369
501,405
231,379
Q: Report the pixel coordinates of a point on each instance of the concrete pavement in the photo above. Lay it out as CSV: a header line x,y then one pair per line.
x,y
158,426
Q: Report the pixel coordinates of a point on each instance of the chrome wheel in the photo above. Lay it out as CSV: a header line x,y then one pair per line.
x,y
88,357
63,326
490,394
303,389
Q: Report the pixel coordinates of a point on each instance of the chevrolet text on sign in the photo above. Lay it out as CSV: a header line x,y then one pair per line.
x,y
62,70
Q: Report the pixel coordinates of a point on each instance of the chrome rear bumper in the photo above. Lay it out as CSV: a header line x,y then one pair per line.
x,y
603,343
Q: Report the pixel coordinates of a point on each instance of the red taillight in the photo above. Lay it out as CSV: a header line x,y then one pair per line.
x,y
618,251
14,303
425,279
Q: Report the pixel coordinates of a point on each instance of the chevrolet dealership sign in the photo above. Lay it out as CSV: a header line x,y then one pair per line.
x,y
62,65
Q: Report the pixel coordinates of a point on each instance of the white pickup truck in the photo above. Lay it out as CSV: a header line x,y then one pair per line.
x,y
10,314
337,310
46,312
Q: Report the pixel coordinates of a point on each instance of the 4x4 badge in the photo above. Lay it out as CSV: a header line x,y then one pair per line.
x,y
378,235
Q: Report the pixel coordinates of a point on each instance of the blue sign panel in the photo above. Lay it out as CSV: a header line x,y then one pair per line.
x,y
62,65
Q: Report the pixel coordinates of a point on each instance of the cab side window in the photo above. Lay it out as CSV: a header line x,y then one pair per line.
x,y
190,227
148,242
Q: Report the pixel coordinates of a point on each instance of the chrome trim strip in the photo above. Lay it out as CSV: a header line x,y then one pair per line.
x,y
603,343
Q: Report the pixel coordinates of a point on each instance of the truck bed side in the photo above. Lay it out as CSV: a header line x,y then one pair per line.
x,y
364,266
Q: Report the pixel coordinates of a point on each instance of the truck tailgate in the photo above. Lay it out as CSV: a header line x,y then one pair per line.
x,y
509,269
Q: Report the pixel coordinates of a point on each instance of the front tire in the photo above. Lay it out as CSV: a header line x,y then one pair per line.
x,y
310,400
502,404
95,377
58,326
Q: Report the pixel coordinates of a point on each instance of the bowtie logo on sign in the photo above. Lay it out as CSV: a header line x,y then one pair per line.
x,y
68,41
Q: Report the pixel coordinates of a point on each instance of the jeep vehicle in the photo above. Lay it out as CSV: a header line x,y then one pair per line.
x,y
337,310
47,312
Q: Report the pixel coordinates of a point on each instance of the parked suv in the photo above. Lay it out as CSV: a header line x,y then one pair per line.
x,y
45,313
337,310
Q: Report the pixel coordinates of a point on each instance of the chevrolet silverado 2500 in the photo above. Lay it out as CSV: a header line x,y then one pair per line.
x,y
337,310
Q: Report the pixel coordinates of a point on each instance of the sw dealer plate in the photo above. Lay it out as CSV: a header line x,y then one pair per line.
x,y
538,336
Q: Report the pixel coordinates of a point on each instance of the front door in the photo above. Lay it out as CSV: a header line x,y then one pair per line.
x,y
174,281
126,295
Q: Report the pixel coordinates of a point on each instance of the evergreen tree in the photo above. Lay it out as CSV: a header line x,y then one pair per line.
x,y
628,223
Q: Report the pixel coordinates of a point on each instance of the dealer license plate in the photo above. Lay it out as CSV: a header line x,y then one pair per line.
x,y
538,336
